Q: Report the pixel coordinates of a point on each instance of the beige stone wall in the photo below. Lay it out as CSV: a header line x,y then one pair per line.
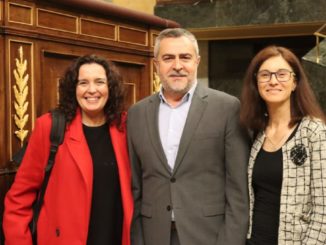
x,y
146,6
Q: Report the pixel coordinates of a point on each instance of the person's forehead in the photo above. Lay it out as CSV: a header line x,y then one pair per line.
x,y
275,62
91,69
176,46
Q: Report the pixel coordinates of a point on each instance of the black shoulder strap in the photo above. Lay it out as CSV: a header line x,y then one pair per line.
x,y
58,127
56,138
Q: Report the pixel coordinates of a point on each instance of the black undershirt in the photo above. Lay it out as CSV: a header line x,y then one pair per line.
x,y
105,226
267,183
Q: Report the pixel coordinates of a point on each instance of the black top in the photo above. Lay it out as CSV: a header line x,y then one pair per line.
x,y
267,183
105,226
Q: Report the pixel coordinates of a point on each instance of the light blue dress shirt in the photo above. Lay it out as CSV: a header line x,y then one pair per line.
x,y
171,123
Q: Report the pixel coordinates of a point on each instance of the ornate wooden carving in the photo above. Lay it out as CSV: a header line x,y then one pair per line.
x,y
20,87
21,92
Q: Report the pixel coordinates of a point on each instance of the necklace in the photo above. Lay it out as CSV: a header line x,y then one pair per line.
x,y
279,143
275,145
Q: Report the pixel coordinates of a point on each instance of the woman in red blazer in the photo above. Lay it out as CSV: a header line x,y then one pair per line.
x,y
88,198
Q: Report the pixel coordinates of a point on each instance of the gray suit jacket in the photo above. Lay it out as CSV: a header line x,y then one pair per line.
x,y
207,188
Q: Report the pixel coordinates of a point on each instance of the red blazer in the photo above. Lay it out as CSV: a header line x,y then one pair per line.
x,y
64,217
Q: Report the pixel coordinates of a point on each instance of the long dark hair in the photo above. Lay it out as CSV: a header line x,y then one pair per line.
x,y
68,104
253,108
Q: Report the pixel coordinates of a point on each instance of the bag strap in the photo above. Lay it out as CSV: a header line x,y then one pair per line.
x,y
56,137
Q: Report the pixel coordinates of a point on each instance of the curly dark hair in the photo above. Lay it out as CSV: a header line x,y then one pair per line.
x,y
303,100
68,104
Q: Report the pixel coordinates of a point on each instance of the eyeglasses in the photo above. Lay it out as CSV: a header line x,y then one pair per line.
x,y
282,75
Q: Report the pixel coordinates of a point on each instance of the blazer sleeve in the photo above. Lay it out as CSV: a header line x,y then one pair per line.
x,y
316,232
136,177
236,161
20,197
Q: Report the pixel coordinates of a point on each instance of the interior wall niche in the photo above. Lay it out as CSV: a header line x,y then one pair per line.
x,y
229,59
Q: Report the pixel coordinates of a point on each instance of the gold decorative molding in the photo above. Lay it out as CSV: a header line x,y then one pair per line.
x,y
156,83
21,92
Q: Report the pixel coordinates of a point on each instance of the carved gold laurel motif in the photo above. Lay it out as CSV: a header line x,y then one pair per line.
x,y
21,92
156,83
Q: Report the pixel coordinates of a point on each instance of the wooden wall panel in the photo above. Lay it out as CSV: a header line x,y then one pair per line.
x,y
51,21
53,67
1,9
139,37
132,76
3,126
20,13
57,21
98,29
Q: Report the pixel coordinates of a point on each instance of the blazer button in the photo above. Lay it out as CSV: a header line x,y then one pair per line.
x,y
172,179
168,208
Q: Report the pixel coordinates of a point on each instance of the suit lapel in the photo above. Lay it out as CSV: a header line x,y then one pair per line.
x,y
152,124
196,110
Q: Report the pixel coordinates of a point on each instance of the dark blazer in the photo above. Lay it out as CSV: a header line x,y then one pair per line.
x,y
207,187
64,217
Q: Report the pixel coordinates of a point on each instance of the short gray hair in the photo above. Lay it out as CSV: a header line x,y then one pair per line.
x,y
175,33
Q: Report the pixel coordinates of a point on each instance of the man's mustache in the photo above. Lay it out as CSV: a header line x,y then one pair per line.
x,y
178,74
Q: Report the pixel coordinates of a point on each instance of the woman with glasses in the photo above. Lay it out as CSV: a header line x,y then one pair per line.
x,y
287,165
